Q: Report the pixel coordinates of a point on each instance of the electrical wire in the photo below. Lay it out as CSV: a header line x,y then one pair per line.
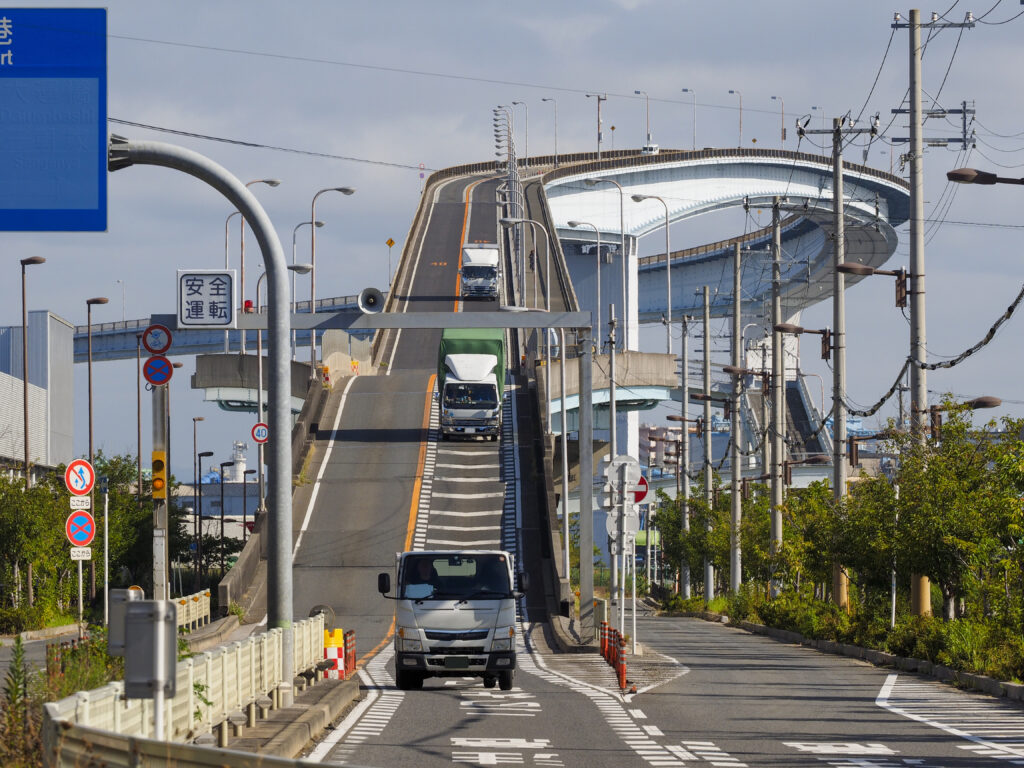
x,y
256,145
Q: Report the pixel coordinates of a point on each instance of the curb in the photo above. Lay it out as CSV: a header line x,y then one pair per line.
x,y
982,683
211,635
308,726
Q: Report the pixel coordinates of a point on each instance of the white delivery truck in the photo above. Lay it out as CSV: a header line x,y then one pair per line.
x,y
480,273
455,616
471,381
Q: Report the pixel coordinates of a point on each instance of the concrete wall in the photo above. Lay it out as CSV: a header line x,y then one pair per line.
x,y
346,355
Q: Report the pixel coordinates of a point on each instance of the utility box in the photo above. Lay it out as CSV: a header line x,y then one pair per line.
x,y
151,648
119,599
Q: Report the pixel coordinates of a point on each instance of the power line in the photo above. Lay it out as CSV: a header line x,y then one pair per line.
x,y
256,145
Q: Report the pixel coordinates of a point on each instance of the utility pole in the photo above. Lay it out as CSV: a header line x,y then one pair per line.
x,y
840,582
920,589
617,510
735,554
778,422
586,485
709,568
683,466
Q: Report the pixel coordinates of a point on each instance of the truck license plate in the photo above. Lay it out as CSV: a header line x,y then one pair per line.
x,y
457,662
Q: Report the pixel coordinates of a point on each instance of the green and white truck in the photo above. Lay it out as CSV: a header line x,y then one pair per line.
x,y
471,381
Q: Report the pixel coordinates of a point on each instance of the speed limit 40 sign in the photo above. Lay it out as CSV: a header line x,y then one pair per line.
x,y
260,432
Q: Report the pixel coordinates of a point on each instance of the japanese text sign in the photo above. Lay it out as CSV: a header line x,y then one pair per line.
x,y
206,298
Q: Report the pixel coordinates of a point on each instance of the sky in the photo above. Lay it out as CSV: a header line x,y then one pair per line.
x,y
362,94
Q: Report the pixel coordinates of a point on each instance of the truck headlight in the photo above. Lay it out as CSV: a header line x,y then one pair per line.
x,y
408,643
503,637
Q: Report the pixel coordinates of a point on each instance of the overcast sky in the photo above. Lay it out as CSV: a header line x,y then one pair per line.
x,y
384,87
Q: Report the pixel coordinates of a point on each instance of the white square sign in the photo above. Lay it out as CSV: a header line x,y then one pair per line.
x,y
206,298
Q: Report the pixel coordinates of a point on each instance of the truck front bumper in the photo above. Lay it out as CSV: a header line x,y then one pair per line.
x,y
453,664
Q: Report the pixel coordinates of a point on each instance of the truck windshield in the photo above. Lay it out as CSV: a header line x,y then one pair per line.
x,y
470,396
455,577
474,273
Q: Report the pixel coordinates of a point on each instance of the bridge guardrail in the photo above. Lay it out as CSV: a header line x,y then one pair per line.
x,y
211,686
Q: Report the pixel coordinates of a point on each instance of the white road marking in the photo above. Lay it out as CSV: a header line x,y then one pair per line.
x,y
484,513
465,528
415,266
840,748
495,495
323,466
939,706
476,543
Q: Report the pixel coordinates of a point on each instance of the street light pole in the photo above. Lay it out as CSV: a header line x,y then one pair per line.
x,y
227,264
30,261
301,269
223,464
241,235
782,103
574,225
622,252
195,483
198,580
526,138
89,303
709,568
555,105
668,270
693,94
245,500
312,281
123,287
647,101
737,93
295,232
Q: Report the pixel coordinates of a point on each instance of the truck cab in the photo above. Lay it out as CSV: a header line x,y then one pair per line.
x,y
479,276
455,616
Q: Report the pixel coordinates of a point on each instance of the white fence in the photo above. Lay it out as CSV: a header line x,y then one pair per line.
x,y
193,610
210,687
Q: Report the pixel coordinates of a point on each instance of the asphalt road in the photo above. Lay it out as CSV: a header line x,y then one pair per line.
x,y
708,694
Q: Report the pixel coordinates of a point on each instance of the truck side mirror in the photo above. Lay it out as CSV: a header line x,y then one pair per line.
x,y
383,583
524,582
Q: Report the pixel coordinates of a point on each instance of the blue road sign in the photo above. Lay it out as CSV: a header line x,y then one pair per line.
x,y
80,528
157,370
53,127
104,484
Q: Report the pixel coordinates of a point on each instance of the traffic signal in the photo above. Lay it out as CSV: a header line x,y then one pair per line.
x,y
787,473
852,451
826,344
159,474
901,288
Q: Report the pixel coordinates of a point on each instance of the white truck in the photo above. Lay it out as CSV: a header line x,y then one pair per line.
x,y
455,616
471,381
480,274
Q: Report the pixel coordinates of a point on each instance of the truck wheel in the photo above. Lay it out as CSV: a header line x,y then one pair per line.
x,y
505,680
409,681
490,681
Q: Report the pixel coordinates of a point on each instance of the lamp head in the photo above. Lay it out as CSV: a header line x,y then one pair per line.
x,y
198,418
97,300
302,269
852,268
318,224
32,260
971,176
787,328
639,198
205,454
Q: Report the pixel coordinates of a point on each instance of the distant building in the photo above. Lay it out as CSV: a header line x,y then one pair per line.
x,y
50,393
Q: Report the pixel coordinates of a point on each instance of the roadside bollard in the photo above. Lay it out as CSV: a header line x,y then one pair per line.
x,y
621,669
350,653
604,640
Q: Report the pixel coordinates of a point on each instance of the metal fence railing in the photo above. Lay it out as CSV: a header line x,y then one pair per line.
x,y
211,687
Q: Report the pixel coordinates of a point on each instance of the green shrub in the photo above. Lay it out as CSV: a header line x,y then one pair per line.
x,y
918,637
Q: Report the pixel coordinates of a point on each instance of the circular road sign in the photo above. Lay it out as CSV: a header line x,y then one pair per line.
x,y
260,432
156,339
157,370
80,528
642,489
79,477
